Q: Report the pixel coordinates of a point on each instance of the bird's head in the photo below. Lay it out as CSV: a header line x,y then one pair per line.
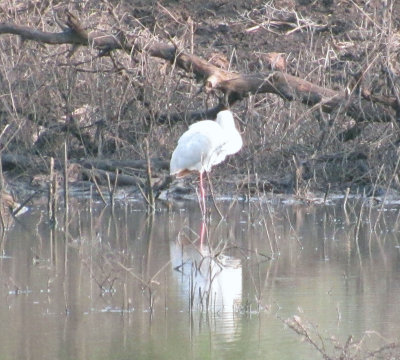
x,y
225,119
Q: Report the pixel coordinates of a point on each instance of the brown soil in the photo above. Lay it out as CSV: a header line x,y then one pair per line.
x,y
51,93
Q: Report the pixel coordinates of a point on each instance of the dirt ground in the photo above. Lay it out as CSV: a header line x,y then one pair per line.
x,y
288,147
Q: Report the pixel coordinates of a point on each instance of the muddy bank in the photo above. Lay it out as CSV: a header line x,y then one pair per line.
x,y
313,90
111,181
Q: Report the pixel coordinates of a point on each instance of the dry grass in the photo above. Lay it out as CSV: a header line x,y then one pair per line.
x,y
116,100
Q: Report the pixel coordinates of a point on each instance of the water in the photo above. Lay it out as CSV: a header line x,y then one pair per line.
x,y
118,284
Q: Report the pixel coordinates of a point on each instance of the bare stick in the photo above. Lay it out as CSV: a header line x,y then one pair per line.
x,y
52,200
66,190
213,198
150,195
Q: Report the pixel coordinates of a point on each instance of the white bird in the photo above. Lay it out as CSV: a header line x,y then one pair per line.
x,y
206,143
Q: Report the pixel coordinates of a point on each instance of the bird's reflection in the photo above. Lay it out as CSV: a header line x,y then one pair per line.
x,y
212,279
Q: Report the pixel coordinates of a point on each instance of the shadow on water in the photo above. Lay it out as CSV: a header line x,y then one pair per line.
x,y
119,283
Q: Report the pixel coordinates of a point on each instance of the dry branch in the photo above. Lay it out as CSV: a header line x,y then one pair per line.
x,y
234,86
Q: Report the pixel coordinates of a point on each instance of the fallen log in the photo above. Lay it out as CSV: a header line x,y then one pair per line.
x,y
113,165
102,177
42,165
234,86
23,163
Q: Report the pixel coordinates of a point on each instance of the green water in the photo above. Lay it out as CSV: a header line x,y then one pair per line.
x,y
119,284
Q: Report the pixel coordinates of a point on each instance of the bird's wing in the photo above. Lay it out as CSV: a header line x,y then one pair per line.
x,y
202,146
191,152
208,128
218,154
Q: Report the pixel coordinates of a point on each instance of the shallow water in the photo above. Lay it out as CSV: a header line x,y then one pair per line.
x,y
119,284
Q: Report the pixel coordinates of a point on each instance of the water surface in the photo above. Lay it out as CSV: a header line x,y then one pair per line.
x,y
120,284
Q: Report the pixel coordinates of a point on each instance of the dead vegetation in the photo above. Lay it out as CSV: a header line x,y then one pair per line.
x,y
316,92
352,349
